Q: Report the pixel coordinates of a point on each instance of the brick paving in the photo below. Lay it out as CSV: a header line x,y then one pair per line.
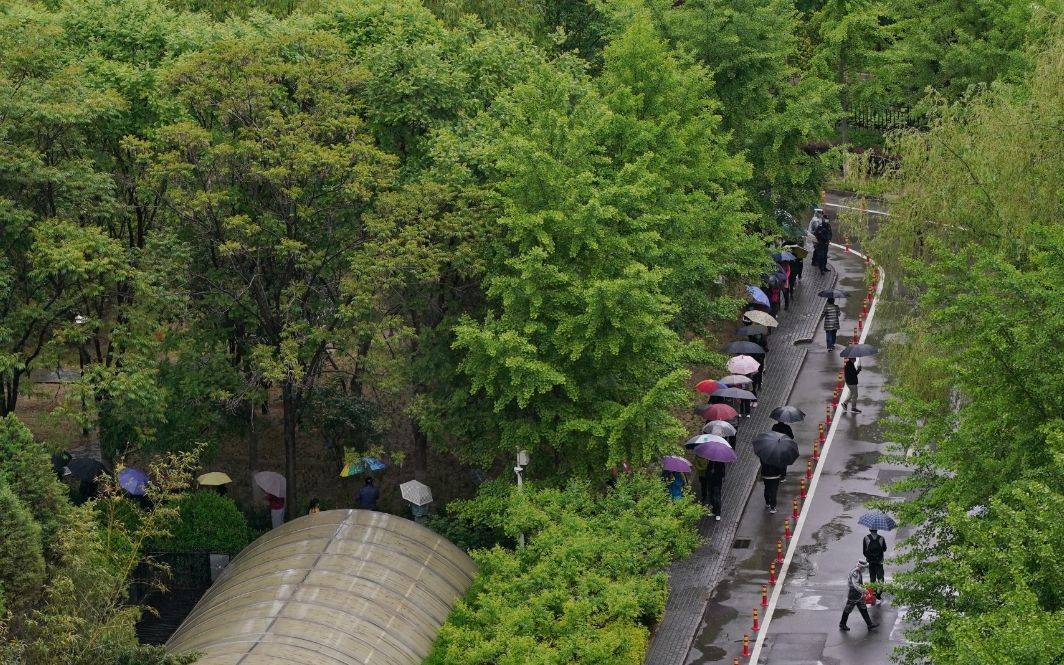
x,y
692,580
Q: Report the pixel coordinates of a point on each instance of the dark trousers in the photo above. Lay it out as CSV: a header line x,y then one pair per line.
x,y
772,487
860,605
786,298
829,337
875,573
715,486
703,489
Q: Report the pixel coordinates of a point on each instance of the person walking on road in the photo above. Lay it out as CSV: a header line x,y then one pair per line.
x,y
771,475
713,480
832,316
822,233
368,495
850,370
875,547
855,598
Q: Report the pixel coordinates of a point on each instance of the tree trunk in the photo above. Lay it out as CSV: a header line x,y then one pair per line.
x,y
421,453
253,445
289,404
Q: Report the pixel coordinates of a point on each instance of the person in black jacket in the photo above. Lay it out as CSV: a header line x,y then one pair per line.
x,y
874,548
822,233
771,476
850,370
714,479
784,429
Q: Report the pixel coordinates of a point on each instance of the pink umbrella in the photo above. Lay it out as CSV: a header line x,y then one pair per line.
x,y
719,412
271,483
743,365
674,463
707,386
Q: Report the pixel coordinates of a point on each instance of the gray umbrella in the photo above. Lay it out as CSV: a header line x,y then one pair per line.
x,y
775,449
752,330
859,351
86,468
739,347
735,393
832,293
788,414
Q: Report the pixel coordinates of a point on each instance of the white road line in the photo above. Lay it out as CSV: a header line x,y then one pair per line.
x,y
777,590
864,210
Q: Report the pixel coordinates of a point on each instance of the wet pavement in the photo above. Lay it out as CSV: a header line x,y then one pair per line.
x,y
804,619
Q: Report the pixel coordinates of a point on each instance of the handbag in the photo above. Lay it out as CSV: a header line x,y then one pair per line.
x,y
869,596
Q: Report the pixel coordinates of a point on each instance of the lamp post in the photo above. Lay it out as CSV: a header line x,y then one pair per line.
x,y
522,462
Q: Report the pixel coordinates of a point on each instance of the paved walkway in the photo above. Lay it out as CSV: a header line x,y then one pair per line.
x,y
692,580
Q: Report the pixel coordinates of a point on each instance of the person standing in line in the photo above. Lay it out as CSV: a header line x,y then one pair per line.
x,y
855,598
368,495
276,509
715,476
701,465
850,370
676,483
874,548
832,316
822,233
784,429
771,475
788,284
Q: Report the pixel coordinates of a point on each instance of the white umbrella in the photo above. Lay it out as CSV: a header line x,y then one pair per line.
x,y
416,492
719,427
271,483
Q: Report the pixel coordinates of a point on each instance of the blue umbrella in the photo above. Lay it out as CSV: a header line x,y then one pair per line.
x,y
757,295
361,465
878,520
133,481
784,256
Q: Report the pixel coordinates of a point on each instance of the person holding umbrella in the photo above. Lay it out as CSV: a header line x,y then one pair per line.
x,y
855,598
832,315
712,453
850,370
776,452
822,233
714,480
874,546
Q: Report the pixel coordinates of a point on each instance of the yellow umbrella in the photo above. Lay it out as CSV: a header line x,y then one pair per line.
x,y
213,479
800,252
763,318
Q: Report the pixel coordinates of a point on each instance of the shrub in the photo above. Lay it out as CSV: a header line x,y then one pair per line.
x,y
209,522
21,554
587,586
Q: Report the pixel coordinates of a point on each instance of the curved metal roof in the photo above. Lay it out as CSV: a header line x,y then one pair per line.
x,y
336,588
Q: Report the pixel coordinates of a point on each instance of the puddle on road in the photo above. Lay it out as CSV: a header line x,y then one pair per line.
x,y
859,463
851,500
717,616
805,556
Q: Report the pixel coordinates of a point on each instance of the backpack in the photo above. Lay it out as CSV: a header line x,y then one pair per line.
x,y
875,545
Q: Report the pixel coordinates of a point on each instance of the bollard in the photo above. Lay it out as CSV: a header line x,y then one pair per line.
x,y
838,386
809,469
757,626
787,529
735,661
834,398
816,451
779,550
801,484
794,508
746,646
772,573
821,432
827,420
858,325
764,595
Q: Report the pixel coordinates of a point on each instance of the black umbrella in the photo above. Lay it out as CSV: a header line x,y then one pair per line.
x,y
740,347
775,449
859,351
788,414
752,330
832,293
86,468
734,393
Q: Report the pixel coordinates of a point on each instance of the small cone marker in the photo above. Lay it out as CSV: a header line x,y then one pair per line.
x,y
746,646
821,432
786,530
779,550
794,508
809,469
772,573
735,661
816,451
764,595
757,624
801,484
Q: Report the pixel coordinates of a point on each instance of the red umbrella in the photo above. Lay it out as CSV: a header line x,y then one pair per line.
x,y
719,412
708,386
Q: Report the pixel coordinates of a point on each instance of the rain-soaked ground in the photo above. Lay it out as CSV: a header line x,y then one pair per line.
x,y
804,625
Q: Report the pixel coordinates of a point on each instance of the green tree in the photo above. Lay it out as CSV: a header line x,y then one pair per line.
x,y
268,180
975,235
21,552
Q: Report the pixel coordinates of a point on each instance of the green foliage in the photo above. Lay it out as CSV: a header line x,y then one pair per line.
x,y
27,471
975,232
586,587
21,552
208,522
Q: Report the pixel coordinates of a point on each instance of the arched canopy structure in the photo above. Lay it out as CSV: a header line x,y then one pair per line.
x,y
341,587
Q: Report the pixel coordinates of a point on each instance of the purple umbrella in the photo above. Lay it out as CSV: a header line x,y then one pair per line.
x,y
716,451
133,481
674,463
